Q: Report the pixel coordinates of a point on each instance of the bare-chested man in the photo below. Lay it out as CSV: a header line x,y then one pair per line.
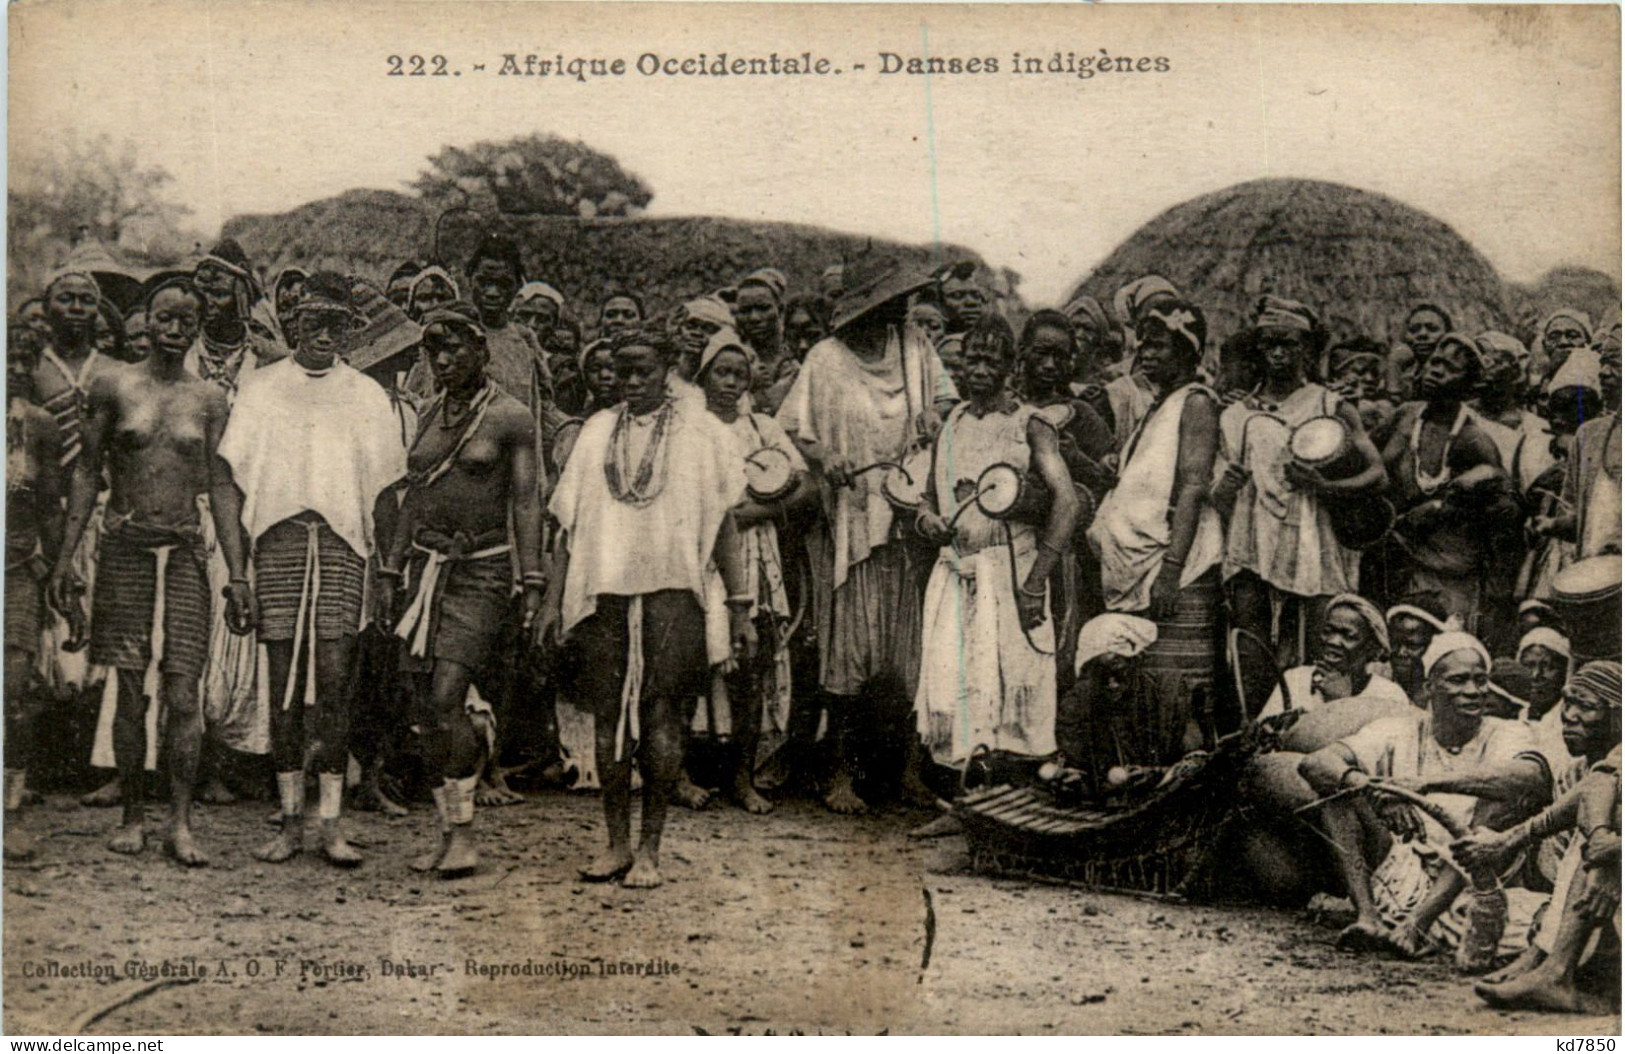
x,y
473,461
35,483
154,429
312,442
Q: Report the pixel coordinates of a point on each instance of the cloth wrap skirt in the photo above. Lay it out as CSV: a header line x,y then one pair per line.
x,y
461,589
672,656
280,558
122,607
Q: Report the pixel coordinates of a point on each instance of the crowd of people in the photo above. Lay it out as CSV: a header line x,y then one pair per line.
x,y
413,537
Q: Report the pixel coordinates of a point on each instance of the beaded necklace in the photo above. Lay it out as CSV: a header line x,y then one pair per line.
x,y
1428,482
618,459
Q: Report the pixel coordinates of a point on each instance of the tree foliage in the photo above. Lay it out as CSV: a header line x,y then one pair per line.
x,y
99,187
534,175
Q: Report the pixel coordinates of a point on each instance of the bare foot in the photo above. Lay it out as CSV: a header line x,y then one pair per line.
x,y
216,793
943,826
19,847
645,874
843,799
431,860
747,797
916,793
178,844
460,858
369,796
1363,935
287,843
104,797
338,852
1407,942
1537,991
607,866
493,789
691,794
129,839
1531,958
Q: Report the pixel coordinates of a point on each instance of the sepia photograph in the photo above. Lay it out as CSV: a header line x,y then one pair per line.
x,y
762,519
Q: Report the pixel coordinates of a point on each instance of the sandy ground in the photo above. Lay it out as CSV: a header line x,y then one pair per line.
x,y
799,921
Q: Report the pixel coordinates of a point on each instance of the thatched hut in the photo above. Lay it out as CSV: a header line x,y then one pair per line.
x,y
1581,288
1360,258
666,260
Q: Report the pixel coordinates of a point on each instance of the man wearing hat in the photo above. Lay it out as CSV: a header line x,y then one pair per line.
x,y
1282,560
471,468
868,394
310,520
1479,770
153,429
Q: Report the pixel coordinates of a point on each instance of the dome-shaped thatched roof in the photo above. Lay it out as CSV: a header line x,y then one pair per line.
x,y
1359,258
665,259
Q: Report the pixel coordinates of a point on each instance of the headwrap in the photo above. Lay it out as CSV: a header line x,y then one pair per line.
x,y
1444,625
1454,641
772,278
1182,321
1088,305
1582,369
1493,344
1277,312
1368,614
1533,604
532,290
229,257
1548,638
70,271
458,314
426,274
589,349
286,275
723,340
1602,679
1114,634
1129,299
1572,315
710,309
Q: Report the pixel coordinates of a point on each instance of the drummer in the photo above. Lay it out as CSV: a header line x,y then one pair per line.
x,y
1282,560
1454,500
872,392
986,672
757,690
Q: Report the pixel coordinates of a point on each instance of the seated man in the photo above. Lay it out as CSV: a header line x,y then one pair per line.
x,y
1477,769
1555,972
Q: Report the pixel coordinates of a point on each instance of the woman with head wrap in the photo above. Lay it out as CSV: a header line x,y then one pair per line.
x,y
431,287
399,286
1283,560
1129,392
987,668
1110,718
1100,342
753,692
538,307
1353,640
1158,539
1590,513
758,314
1455,503
1523,438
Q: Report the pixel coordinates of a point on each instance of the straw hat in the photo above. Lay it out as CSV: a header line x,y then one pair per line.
x,y
870,282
